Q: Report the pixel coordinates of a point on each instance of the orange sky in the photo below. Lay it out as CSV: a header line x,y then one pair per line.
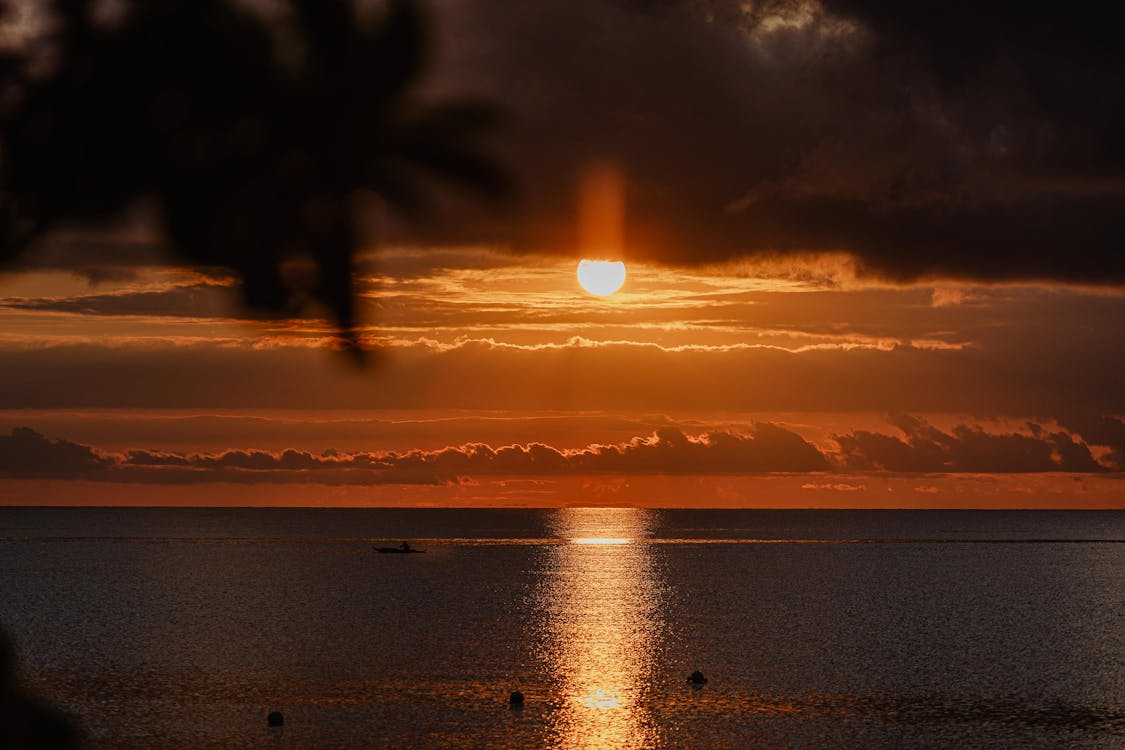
x,y
495,380
872,262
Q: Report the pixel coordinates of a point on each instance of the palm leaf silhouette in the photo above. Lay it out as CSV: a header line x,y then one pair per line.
x,y
250,147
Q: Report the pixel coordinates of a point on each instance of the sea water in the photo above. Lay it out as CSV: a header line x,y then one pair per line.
x,y
184,628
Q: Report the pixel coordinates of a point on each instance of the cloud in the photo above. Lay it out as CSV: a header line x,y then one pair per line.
x,y
947,141
952,140
834,486
25,454
1062,371
97,255
1101,430
208,300
966,449
765,448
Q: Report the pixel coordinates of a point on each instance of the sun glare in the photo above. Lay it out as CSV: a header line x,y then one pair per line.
x,y
601,277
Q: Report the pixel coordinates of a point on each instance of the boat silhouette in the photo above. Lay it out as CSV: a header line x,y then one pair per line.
x,y
401,549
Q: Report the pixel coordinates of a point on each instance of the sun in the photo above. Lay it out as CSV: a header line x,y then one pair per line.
x,y
601,277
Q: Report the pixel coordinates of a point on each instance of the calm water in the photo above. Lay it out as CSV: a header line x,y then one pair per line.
x,y
182,628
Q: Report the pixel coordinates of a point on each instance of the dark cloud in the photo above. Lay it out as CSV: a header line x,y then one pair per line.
x,y
349,431
190,300
285,467
1101,430
411,264
966,449
103,257
764,449
928,139
25,454
667,451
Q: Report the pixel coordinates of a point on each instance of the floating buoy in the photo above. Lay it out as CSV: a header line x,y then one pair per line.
x,y
697,678
275,719
515,700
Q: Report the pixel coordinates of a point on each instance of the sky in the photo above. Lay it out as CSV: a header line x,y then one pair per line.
x,y
874,260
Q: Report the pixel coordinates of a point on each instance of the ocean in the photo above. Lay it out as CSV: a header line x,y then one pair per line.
x,y
184,628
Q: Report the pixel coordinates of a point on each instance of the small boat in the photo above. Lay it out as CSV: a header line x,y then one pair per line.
x,y
402,549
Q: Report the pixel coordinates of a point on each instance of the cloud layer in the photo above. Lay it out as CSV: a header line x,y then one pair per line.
x,y
928,139
925,449
766,449
1060,375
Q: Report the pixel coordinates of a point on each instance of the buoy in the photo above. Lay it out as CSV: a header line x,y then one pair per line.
x,y
275,719
515,700
697,678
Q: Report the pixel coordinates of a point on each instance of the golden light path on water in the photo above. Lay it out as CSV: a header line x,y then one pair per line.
x,y
602,628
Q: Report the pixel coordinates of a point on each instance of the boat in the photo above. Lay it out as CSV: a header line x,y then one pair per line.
x,y
402,549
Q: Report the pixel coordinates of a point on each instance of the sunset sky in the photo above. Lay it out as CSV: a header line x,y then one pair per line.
x,y
874,259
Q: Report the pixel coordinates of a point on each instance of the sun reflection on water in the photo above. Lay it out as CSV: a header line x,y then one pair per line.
x,y
602,626
602,540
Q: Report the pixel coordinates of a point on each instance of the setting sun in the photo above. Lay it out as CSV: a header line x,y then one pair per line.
x,y
601,277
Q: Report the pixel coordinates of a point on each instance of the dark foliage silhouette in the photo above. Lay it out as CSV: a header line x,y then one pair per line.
x,y
26,723
251,138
